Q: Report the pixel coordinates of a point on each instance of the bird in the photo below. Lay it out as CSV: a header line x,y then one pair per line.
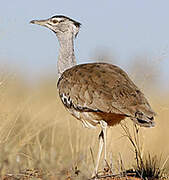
x,y
97,94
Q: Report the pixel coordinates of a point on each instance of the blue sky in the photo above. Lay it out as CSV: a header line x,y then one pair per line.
x,y
123,28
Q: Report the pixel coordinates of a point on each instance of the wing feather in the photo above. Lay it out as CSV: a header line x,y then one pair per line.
x,y
103,87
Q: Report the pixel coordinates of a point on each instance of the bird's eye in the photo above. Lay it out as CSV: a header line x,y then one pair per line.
x,y
54,21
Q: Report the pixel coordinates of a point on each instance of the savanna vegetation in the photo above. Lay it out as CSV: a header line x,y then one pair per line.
x,y
40,140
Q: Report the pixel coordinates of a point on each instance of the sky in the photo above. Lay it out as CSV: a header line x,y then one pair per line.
x,y
121,28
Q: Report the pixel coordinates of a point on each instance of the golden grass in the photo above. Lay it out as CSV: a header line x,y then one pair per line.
x,y
37,132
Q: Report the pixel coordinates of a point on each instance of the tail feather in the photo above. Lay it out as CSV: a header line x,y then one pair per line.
x,y
144,120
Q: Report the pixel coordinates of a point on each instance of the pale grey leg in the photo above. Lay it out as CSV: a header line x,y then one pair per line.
x,y
104,128
99,154
102,140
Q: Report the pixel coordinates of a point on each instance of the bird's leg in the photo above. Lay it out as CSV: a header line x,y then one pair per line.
x,y
104,129
99,153
102,140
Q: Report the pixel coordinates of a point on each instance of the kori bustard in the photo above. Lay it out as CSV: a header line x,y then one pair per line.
x,y
95,93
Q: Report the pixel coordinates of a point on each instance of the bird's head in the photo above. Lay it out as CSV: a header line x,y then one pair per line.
x,y
60,25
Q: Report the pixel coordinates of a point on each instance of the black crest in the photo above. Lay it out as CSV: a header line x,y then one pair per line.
x,y
77,24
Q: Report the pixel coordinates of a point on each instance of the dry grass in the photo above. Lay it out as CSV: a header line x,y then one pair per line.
x,y
147,165
37,133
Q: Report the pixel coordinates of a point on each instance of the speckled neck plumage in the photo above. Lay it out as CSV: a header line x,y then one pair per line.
x,y
66,58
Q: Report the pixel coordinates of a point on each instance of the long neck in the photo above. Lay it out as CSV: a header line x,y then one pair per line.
x,y
66,58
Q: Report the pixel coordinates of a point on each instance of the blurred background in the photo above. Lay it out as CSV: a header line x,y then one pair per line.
x,y
34,127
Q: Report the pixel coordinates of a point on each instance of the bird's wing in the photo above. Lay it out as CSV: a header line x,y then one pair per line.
x,y
101,87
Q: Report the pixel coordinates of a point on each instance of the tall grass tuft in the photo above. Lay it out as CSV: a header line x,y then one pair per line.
x,y
147,166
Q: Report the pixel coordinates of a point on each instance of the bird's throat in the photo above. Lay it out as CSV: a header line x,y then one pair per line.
x,y
66,58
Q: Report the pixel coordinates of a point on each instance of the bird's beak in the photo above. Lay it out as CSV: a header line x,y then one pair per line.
x,y
39,22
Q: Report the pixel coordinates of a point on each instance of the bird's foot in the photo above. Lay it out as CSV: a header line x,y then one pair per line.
x,y
107,168
94,176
